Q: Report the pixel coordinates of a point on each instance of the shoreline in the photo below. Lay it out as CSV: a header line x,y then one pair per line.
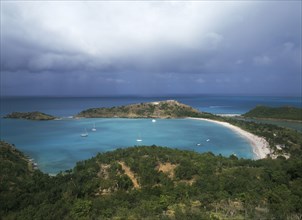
x,y
259,145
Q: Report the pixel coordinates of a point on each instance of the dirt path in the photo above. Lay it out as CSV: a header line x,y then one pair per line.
x,y
130,174
167,168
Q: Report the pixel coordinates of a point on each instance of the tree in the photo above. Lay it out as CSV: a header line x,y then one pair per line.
x,y
81,209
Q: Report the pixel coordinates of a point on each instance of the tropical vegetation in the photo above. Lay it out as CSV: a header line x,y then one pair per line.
x,y
162,109
285,112
151,182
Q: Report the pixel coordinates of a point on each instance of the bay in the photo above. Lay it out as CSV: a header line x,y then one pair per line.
x,y
58,145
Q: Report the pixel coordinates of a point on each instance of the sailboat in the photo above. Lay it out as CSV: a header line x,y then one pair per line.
x,y
139,139
93,129
84,134
153,120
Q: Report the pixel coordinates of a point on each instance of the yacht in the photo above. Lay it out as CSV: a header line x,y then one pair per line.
x,y
93,129
84,134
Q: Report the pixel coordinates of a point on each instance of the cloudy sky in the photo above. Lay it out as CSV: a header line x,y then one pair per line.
x,y
150,48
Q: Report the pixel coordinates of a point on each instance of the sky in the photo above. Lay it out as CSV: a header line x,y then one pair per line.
x,y
150,48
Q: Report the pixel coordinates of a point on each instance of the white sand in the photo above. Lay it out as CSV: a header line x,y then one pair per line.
x,y
259,144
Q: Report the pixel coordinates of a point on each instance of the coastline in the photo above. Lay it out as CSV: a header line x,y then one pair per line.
x,y
259,144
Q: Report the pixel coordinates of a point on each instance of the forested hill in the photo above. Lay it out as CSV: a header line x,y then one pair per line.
x,y
162,109
14,164
30,116
152,183
286,112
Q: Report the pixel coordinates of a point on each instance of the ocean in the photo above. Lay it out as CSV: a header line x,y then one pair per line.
x,y
67,106
57,145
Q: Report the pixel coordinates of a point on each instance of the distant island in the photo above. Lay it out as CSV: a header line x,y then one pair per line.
x,y
39,116
282,113
161,109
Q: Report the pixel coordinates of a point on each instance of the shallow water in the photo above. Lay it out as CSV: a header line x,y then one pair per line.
x,y
58,145
286,124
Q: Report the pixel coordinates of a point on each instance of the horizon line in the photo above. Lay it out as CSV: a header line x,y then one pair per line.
x,y
150,96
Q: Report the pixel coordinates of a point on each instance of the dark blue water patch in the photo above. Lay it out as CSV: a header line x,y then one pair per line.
x,y
68,106
238,104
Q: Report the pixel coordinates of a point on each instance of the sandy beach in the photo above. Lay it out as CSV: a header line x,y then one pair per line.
x,y
259,144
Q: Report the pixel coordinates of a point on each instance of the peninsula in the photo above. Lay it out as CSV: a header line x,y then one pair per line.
x,y
280,113
161,109
39,116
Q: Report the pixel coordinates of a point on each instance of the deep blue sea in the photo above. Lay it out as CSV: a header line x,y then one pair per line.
x,y
57,145
209,103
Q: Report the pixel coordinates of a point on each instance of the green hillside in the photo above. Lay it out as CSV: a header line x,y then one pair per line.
x,y
15,173
286,112
30,116
162,109
152,182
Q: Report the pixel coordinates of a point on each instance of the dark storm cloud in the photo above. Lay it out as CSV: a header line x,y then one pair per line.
x,y
172,47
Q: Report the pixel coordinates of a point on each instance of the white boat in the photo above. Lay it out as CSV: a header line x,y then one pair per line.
x,y
84,134
93,129
153,120
139,139
208,140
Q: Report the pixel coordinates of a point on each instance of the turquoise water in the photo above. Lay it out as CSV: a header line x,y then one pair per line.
x,y
58,145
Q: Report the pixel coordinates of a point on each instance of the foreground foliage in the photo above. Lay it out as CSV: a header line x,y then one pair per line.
x,y
172,184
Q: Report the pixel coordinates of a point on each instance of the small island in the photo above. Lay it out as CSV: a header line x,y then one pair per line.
x,y
161,109
39,116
